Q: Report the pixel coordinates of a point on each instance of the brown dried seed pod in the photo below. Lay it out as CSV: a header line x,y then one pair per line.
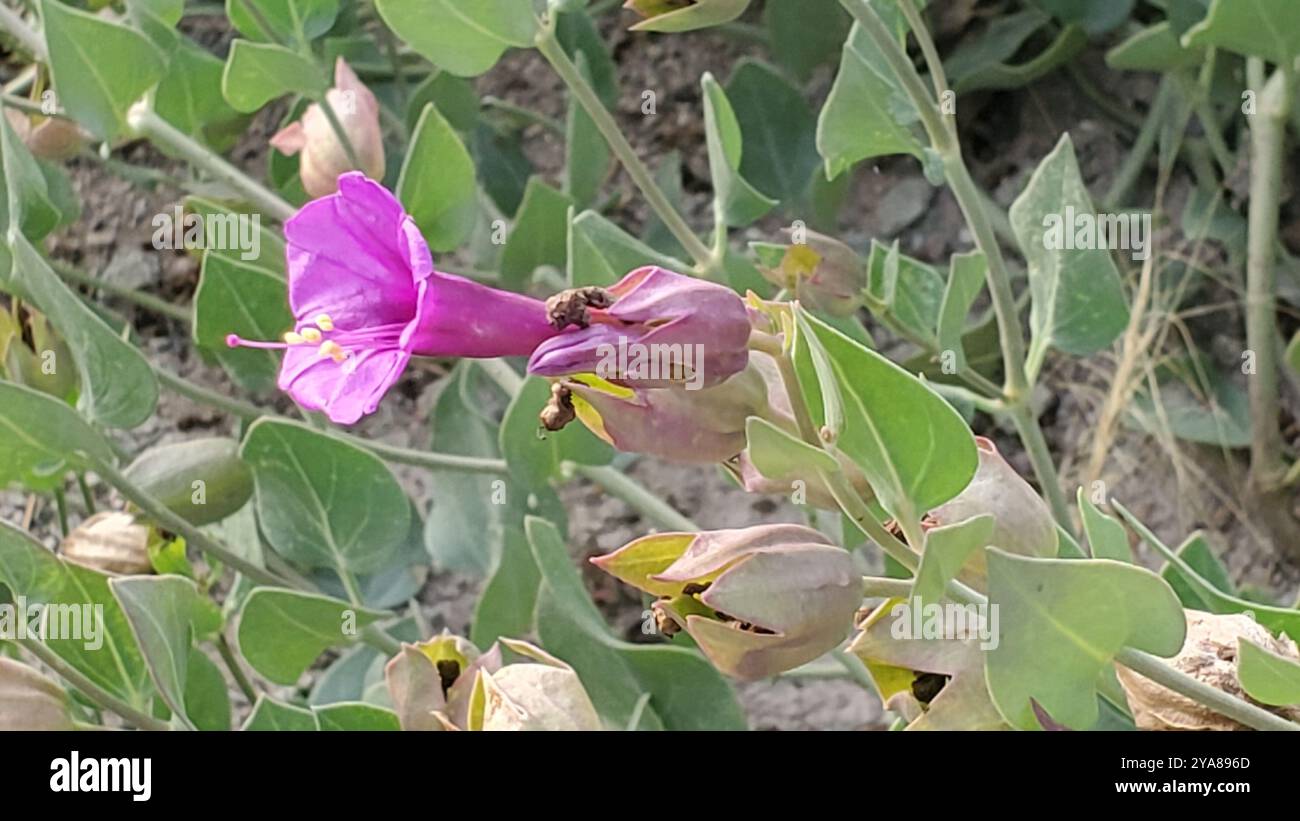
x,y
29,700
111,542
1209,655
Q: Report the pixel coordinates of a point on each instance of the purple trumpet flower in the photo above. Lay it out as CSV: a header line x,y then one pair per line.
x,y
653,329
366,298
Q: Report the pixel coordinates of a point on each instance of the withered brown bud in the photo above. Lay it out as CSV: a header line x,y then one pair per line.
x,y
559,410
570,307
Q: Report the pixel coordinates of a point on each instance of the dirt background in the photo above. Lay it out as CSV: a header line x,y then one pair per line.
x,y
1006,134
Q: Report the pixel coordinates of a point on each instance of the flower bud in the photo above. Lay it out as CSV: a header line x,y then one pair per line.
x,y
1209,655
48,138
691,427
757,601
821,272
653,329
110,542
1022,521
324,158
201,480
29,700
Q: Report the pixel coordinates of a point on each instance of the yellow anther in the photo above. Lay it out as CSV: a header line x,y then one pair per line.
x,y
333,351
325,323
311,335
292,338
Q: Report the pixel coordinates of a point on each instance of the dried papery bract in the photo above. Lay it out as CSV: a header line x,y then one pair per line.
x,y
822,272
1022,521
444,684
1209,655
111,542
30,701
758,600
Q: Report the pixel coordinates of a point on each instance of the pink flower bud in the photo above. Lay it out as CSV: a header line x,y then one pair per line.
x,y
323,156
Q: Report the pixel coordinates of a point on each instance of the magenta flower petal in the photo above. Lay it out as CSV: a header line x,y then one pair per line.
x,y
346,391
366,298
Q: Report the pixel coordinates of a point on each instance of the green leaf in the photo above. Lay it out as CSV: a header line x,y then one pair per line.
x,y
265,250
282,632
1267,677
466,39
269,714
118,388
698,15
100,67
162,611
914,449
503,168
1277,619
965,282
578,35
906,291
601,253
867,114
257,73
778,130
805,33
1196,554
992,48
946,550
535,456
1154,48
1078,300
1256,28
1106,537
323,502
538,236
111,658
778,454
454,98
506,606
207,702
44,439
247,300
586,154
739,202
294,21
27,203
1062,623
437,185
356,717
685,692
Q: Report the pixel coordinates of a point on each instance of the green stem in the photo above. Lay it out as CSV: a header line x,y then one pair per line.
x,y
147,301
1268,141
527,114
1136,160
145,122
61,502
550,48
26,36
391,453
86,495
236,672
1234,708
90,689
1040,457
168,520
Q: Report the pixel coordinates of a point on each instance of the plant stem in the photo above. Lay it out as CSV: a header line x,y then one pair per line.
x,y
147,301
86,495
61,502
1040,457
168,520
145,122
1234,708
90,689
506,107
1268,141
1136,160
26,36
391,453
550,48
236,672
